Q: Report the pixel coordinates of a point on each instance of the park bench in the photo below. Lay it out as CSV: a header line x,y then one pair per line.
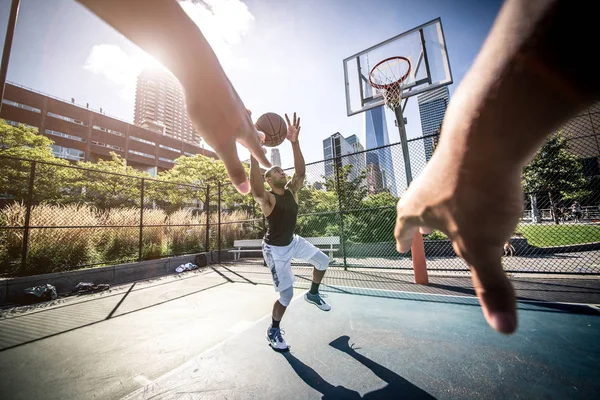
x,y
326,244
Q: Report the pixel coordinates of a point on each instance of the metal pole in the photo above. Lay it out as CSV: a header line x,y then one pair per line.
x,y
340,208
28,215
404,144
10,31
206,207
417,247
219,224
140,245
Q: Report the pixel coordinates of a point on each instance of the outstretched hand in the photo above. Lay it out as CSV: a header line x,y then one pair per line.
x,y
478,210
222,121
293,128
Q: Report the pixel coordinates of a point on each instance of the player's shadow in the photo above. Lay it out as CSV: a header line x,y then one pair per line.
x,y
397,387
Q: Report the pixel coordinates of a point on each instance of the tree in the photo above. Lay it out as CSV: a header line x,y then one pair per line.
x,y
350,191
104,185
22,142
555,171
199,171
375,222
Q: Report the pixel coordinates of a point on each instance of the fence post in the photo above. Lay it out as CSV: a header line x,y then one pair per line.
x,y
206,207
28,215
140,245
219,223
340,210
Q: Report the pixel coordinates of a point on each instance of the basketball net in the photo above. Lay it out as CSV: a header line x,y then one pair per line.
x,y
388,77
392,96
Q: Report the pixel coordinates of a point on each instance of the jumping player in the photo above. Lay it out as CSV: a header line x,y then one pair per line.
x,y
280,244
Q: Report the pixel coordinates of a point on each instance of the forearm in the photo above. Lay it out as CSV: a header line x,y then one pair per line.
x,y
257,186
521,86
299,165
163,29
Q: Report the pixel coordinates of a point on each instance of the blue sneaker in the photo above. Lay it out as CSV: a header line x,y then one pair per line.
x,y
317,300
275,339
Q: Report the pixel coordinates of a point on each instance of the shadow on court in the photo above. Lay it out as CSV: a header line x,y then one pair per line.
x,y
396,385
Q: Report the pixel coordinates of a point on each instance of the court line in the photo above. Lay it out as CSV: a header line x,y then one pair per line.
x,y
457,296
186,365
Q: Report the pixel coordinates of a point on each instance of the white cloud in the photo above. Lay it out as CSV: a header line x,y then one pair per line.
x,y
110,61
222,22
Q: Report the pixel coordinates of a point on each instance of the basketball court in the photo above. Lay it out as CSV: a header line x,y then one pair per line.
x,y
201,335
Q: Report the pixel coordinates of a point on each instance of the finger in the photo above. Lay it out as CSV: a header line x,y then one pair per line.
x,y
228,154
294,118
288,120
298,124
253,144
495,292
298,131
261,137
404,232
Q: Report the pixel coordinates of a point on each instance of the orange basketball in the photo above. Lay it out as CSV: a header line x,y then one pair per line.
x,y
274,128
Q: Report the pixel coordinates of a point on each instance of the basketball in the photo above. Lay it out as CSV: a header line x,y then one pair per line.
x,y
274,128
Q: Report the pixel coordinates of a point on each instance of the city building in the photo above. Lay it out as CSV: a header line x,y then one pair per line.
x,y
343,152
376,134
160,105
432,108
81,134
275,157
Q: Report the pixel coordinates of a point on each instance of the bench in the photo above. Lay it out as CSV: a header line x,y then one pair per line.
x,y
255,245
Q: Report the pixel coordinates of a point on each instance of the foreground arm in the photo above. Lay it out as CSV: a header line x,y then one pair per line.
x,y
163,29
299,166
522,86
257,187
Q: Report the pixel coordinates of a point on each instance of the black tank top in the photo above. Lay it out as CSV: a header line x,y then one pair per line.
x,y
282,220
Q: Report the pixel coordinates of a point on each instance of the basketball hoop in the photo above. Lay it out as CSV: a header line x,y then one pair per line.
x,y
388,77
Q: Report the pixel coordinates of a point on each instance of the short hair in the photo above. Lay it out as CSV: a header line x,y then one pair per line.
x,y
268,172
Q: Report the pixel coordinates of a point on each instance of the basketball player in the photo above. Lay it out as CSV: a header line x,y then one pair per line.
x,y
531,75
280,244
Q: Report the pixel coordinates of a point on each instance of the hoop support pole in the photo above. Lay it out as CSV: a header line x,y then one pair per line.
x,y
417,247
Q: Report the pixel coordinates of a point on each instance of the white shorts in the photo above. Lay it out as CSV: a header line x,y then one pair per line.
x,y
279,260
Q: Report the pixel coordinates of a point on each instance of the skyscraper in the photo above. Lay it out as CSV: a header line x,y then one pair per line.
x,y
376,134
275,157
342,150
160,107
432,107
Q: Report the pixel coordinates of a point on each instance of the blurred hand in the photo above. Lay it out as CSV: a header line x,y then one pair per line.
x,y
222,120
478,209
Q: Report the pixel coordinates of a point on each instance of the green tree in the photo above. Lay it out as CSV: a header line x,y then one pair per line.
x,y
22,142
351,192
104,185
555,171
375,221
199,171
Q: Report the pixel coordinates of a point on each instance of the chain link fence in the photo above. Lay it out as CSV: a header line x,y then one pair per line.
x,y
56,217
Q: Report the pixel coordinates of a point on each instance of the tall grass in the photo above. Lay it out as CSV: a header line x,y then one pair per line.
x,y
186,231
74,236
118,244
53,245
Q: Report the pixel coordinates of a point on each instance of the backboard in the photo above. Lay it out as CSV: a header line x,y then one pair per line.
x,y
425,48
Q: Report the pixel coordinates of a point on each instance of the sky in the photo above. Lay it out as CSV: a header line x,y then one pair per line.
x,y
282,56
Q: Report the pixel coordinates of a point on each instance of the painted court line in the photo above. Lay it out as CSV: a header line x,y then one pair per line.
x,y
356,289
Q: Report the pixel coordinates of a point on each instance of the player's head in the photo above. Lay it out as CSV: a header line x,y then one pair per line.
x,y
276,177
